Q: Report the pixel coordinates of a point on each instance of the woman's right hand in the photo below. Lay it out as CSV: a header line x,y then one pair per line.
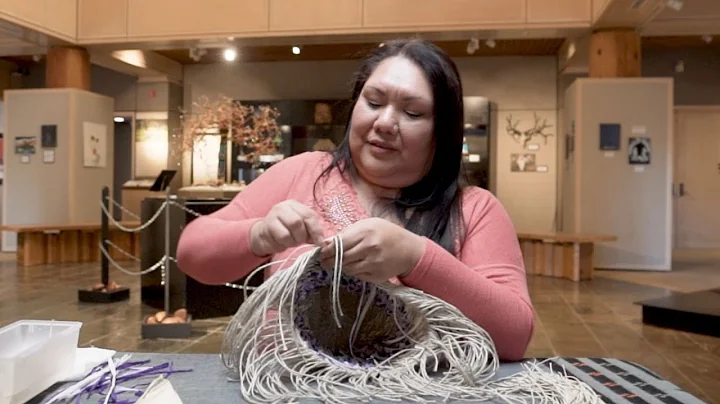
x,y
288,224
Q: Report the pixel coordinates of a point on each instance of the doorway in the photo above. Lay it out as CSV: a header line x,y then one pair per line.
x,y
123,158
696,187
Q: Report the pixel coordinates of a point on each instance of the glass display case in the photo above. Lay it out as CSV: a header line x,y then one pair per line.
x,y
312,125
476,142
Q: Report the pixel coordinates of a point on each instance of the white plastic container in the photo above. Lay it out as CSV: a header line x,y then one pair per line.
x,y
34,355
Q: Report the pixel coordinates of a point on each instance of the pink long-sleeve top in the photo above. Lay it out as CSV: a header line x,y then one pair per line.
x,y
486,282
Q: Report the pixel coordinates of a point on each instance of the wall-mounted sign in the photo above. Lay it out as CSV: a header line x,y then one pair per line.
x,y
639,130
609,136
48,156
639,150
48,136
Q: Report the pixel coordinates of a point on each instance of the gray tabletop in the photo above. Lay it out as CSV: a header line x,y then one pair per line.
x,y
617,381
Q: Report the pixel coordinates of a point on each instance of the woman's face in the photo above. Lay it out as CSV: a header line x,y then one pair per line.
x,y
391,131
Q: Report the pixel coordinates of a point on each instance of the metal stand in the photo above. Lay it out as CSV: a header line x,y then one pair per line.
x,y
104,292
172,330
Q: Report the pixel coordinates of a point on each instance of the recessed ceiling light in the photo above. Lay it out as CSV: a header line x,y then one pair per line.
x,y
119,119
230,54
296,50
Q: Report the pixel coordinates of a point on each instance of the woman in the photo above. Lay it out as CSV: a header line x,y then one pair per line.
x,y
391,192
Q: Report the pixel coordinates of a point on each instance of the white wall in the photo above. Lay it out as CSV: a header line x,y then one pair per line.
x,y
520,86
611,196
63,191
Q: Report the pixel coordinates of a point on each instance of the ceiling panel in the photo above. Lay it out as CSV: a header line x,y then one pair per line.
x,y
679,42
533,47
692,9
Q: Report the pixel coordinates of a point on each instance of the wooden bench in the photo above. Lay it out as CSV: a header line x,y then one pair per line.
x,y
39,244
560,255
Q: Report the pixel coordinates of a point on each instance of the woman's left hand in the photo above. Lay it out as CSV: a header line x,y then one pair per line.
x,y
375,250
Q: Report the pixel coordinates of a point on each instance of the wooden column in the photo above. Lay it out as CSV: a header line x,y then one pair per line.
x,y
615,53
5,80
68,67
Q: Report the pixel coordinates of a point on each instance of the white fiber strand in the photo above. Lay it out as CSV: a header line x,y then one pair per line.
x,y
448,356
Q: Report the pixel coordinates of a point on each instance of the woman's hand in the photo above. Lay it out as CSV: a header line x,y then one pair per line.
x,y
375,250
288,224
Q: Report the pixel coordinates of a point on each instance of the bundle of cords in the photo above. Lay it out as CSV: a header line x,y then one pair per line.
x,y
105,380
312,333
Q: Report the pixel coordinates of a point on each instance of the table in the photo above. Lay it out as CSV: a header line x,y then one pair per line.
x,y
618,381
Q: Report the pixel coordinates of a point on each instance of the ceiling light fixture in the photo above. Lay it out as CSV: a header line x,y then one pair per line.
x,y
707,38
490,43
196,53
676,5
296,50
472,46
119,119
229,54
680,66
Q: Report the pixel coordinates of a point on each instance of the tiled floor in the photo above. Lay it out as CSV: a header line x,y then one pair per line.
x,y
595,318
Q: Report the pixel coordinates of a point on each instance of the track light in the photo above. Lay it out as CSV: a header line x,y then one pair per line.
x,y
676,5
230,54
472,46
196,53
679,66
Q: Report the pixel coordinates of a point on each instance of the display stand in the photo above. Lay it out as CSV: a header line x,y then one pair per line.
x,y
166,330
105,292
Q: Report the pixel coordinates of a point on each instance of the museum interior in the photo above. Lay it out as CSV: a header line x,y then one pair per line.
x,y
593,122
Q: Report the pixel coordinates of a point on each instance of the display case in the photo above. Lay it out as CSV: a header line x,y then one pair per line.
x,y
320,125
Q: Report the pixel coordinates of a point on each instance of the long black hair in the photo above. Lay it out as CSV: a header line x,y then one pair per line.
x,y
435,199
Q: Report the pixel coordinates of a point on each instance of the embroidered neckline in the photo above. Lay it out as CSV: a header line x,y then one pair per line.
x,y
339,205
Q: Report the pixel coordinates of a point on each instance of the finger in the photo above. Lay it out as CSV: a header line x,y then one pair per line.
x,y
311,222
279,234
355,254
295,225
328,264
350,237
356,266
368,277
328,249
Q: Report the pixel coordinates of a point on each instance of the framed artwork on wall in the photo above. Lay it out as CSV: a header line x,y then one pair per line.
x,y
639,151
94,145
609,136
48,136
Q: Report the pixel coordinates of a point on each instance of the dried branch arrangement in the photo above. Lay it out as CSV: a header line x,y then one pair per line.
x,y
254,128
